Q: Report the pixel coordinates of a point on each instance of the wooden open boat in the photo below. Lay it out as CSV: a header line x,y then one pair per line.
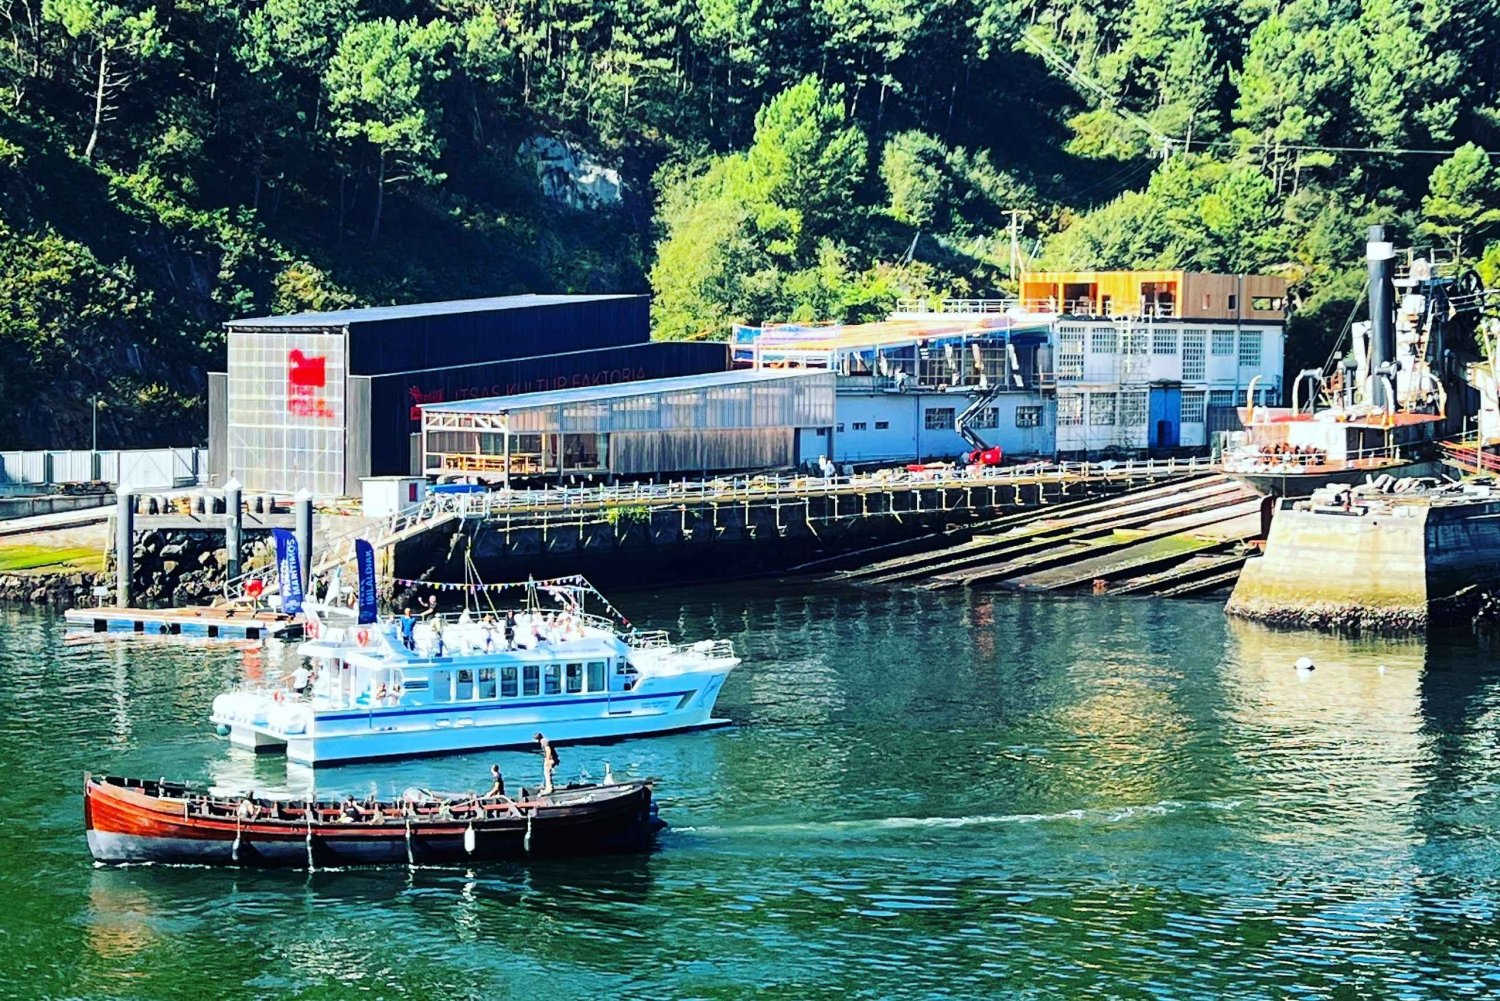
x,y
136,820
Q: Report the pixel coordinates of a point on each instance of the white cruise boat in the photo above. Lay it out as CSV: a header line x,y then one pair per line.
x,y
457,687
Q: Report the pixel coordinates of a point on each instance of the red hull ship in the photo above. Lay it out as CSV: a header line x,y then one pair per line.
x,y
135,820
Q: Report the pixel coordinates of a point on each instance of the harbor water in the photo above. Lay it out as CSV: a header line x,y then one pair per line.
x,y
947,795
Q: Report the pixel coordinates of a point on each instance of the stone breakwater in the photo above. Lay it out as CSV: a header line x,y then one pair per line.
x,y
62,589
172,568
183,567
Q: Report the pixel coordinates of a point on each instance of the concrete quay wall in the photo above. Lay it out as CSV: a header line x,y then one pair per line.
x,y
697,541
1390,568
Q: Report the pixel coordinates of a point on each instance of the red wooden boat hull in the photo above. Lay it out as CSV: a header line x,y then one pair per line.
x,y
127,821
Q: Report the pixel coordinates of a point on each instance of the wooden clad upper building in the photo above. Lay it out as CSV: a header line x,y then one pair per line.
x,y
1184,295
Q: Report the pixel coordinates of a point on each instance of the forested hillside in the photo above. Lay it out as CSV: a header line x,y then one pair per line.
x,y
167,165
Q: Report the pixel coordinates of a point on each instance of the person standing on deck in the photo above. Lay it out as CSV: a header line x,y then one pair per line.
x,y
408,629
550,761
497,784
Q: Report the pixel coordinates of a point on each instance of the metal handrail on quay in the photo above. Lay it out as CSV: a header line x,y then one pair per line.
x,y
730,490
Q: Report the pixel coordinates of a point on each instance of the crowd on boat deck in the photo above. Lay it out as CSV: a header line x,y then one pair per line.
x,y
1307,455
373,811
508,630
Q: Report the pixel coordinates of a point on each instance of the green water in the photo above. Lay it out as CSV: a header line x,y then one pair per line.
x,y
925,795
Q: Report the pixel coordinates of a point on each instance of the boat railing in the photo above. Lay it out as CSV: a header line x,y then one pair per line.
x,y
657,640
649,639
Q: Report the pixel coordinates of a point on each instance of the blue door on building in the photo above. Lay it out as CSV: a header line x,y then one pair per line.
x,y
1165,417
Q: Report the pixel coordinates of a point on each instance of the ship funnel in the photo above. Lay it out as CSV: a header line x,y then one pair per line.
x,y
1381,256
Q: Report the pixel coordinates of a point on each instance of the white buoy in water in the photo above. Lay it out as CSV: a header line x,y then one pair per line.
x,y
469,840
1305,664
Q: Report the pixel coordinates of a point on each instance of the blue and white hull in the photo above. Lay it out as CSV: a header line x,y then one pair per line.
x,y
371,695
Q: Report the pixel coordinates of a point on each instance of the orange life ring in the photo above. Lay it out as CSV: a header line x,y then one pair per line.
x,y
362,637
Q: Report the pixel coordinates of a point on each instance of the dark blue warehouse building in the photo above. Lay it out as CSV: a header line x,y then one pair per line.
x,y
322,400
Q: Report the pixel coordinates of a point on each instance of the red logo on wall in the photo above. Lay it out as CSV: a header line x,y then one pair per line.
x,y
306,380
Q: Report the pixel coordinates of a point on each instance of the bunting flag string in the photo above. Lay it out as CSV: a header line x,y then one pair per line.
x,y
568,591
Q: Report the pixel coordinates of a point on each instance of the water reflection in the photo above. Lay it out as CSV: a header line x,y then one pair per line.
x,y
972,794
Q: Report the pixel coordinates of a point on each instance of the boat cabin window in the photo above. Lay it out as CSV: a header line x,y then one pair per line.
x,y
507,682
596,675
486,682
573,678
442,686
465,688
530,674
552,675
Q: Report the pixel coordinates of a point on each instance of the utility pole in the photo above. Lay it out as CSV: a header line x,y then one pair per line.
x,y
1016,257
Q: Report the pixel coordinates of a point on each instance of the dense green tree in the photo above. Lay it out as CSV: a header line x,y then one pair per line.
x,y
382,89
182,161
115,39
1463,197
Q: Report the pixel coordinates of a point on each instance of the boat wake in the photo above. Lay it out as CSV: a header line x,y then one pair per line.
x,y
831,828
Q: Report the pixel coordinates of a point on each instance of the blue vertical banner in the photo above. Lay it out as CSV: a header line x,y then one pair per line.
x,y
364,560
289,570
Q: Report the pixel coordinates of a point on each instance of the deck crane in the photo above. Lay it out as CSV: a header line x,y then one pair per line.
x,y
981,453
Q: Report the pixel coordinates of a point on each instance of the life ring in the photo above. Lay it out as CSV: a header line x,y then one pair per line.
x,y
311,629
362,637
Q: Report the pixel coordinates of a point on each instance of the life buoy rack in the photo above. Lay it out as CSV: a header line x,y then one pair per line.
x,y
362,637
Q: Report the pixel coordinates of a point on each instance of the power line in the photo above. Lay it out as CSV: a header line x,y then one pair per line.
x,y
1167,142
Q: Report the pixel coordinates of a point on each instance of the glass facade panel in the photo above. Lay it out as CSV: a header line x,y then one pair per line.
x,y
286,411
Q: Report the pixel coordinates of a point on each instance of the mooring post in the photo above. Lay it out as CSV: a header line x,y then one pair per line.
x,y
233,526
302,504
124,545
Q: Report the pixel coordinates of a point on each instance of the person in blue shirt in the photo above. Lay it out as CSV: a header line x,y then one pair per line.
x,y
408,628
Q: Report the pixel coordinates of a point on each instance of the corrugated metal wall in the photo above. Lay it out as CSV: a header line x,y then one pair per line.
x,y
357,434
804,399
701,450
218,427
471,338
394,398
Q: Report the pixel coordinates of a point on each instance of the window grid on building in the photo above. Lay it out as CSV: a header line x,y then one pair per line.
x,y
1101,409
1192,406
1250,349
1163,342
1069,410
938,419
1136,341
1132,409
1222,398
1070,352
1194,365
1104,341
1028,417
1223,343
989,417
